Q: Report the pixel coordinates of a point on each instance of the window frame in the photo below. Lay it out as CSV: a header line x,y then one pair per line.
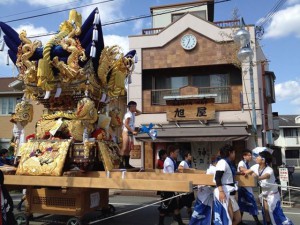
x,y
8,106
292,154
290,132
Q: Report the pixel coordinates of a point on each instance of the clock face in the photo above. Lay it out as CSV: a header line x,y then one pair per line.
x,y
188,41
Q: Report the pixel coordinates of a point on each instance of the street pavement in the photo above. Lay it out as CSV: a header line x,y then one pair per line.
x,y
128,213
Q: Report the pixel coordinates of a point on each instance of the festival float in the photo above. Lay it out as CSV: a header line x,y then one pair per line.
x,y
73,154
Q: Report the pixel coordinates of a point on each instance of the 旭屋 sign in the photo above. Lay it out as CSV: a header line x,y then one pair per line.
x,y
191,112
283,174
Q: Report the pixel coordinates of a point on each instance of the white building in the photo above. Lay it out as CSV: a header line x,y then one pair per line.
x,y
289,139
188,81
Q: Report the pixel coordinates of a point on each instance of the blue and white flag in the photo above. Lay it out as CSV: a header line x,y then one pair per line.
x,y
221,214
149,130
275,210
202,214
246,201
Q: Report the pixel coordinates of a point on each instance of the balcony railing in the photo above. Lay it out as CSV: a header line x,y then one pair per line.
x,y
152,31
227,23
291,141
221,24
157,96
223,94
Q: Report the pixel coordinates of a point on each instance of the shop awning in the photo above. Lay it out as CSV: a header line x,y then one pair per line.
x,y
188,134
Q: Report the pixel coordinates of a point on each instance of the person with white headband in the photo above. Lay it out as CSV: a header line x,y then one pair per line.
x,y
270,198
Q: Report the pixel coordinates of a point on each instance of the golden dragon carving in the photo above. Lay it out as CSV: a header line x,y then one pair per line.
x,y
28,69
68,28
71,71
112,70
23,113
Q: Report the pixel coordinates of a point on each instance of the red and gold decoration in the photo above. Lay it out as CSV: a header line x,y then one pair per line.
x,y
43,157
75,77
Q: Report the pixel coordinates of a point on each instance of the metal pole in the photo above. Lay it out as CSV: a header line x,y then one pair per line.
x,y
254,127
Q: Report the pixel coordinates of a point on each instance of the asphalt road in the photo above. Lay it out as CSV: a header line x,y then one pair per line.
x,y
128,213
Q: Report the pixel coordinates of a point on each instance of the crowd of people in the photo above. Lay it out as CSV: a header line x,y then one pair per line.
x,y
225,203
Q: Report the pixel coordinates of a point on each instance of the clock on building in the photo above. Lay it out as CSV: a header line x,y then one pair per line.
x,y
188,41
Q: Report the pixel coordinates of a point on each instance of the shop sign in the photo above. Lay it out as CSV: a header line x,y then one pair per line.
x,y
191,112
283,174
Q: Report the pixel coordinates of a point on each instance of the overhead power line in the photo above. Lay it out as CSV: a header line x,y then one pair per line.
x,y
35,10
272,12
59,11
259,28
138,17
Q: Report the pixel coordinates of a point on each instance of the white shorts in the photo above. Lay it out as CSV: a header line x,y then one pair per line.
x,y
235,206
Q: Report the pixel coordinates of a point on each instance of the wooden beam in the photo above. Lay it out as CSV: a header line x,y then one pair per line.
x,y
100,182
196,178
181,182
248,181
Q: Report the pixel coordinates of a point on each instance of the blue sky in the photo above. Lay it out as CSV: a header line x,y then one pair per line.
x,y
281,41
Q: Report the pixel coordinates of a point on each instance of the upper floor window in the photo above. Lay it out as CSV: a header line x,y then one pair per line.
x,y
7,105
168,82
270,89
177,16
292,154
290,132
200,14
212,80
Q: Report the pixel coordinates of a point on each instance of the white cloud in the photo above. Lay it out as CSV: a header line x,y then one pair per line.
x,y
293,2
109,11
4,2
3,57
289,90
296,101
31,31
122,41
138,26
47,2
285,23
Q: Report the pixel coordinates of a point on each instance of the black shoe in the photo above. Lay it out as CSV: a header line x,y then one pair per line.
x,y
178,219
258,223
122,163
190,213
127,165
161,220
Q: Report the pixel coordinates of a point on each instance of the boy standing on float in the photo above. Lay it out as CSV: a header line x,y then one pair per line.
x,y
128,130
